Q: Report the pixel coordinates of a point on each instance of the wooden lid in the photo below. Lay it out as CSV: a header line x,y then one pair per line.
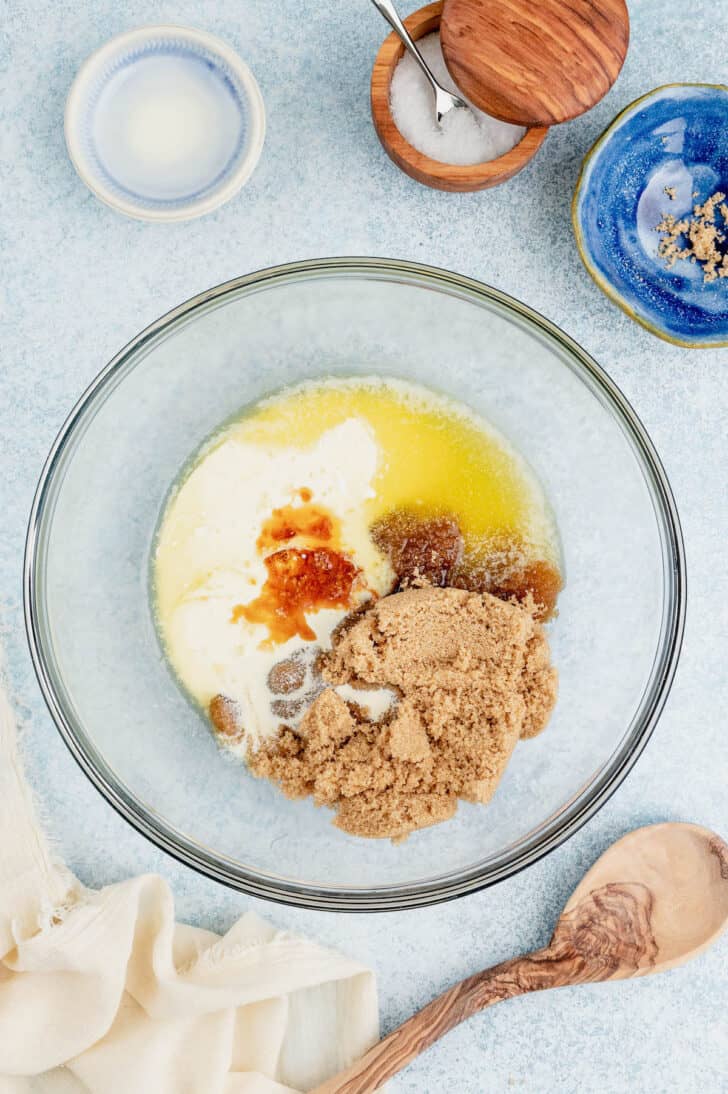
x,y
534,62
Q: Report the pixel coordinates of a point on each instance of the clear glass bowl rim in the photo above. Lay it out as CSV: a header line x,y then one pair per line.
x,y
394,897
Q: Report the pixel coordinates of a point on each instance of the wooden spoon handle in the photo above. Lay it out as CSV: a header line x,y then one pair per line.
x,y
432,1022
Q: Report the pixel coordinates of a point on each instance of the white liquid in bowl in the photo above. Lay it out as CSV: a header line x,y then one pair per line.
x,y
166,127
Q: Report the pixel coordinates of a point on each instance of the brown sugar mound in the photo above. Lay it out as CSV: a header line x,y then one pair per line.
x,y
472,675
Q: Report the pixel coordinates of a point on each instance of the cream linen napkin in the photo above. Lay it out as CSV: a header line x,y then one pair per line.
x,y
104,992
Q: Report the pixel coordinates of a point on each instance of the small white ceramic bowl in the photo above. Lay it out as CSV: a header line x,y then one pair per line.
x,y
164,123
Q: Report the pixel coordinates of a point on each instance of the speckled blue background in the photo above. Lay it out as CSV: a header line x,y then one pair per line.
x,y
79,281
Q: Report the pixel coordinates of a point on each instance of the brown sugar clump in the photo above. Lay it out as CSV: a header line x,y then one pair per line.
x,y
539,581
700,237
473,675
287,676
286,709
419,548
535,583
226,716
431,550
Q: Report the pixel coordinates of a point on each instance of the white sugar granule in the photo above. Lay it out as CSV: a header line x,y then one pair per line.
x,y
466,136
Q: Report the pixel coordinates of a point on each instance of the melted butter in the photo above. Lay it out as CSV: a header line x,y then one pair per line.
x,y
436,457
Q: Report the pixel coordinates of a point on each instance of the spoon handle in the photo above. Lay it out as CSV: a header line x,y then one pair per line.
x,y
390,13
415,1035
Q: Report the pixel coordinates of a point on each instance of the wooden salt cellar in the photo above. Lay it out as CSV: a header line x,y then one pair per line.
x,y
440,176
529,62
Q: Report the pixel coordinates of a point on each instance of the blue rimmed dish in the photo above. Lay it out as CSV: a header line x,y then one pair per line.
x,y
164,123
671,141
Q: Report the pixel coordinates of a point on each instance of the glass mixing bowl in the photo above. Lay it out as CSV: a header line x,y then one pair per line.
x,y
92,635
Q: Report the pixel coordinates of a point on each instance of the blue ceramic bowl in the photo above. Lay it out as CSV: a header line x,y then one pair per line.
x,y
164,123
675,136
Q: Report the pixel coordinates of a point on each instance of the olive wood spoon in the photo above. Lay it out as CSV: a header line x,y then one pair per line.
x,y
654,900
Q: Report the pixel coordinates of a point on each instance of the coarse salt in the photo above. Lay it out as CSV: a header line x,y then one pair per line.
x,y
466,137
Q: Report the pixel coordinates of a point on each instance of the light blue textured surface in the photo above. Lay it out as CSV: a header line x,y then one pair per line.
x,y
80,280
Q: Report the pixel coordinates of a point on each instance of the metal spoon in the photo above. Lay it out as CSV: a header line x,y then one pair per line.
x,y
444,100
654,900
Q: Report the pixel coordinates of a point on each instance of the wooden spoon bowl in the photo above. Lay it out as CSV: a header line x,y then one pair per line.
x,y
440,176
654,900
